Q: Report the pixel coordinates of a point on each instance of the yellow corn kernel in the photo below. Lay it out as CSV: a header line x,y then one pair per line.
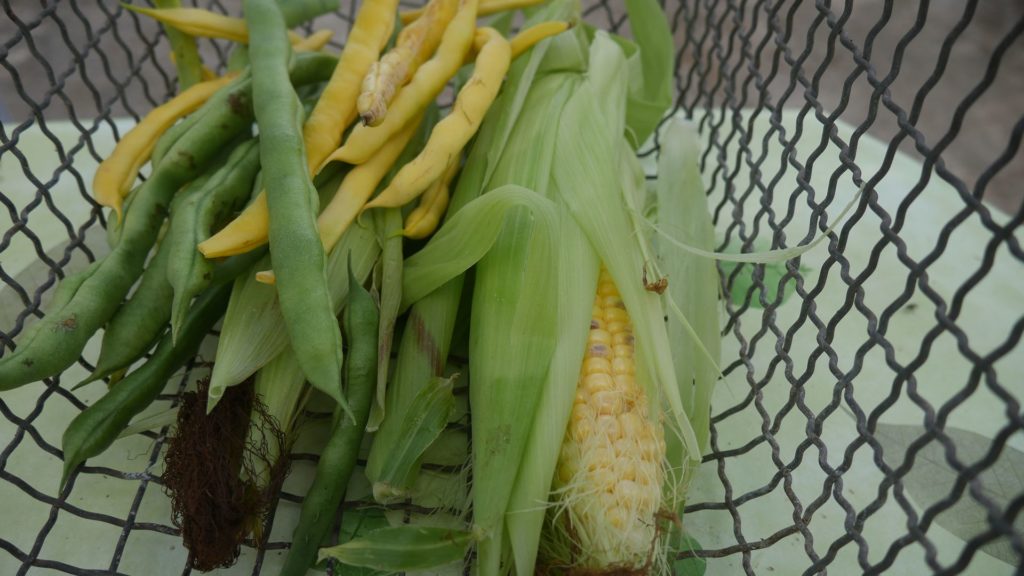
x,y
597,365
599,336
597,383
609,472
622,365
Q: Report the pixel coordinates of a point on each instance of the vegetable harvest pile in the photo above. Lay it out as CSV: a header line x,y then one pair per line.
x,y
511,333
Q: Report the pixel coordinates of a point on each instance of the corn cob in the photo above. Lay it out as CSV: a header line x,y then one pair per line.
x,y
609,474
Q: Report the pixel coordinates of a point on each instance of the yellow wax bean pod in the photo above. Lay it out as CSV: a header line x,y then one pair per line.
x,y
423,221
115,175
424,87
336,108
358,185
204,23
414,45
314,41
534,34
355,189
528,38
487,7
334,111
453,132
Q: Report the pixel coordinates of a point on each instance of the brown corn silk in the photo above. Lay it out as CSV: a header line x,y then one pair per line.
x,y
206,462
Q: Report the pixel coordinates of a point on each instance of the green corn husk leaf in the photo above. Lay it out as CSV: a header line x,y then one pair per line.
x,y
692,281
429,413
514,293
281,386
386,222
650,79
251,334
559,53
577,277
421,353
448,254
403,548
151,422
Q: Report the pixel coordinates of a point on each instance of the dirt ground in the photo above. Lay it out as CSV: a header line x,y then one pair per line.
x,y
79,60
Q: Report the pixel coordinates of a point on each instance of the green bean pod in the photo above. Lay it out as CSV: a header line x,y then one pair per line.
x,y
338,459
96,428
170,137
200,210
56,341
297,253
138,323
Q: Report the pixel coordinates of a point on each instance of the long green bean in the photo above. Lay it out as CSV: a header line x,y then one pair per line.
x,y
200,210
338,459
296,251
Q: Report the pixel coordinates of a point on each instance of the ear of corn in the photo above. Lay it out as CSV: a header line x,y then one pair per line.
x,y
609,475
592,190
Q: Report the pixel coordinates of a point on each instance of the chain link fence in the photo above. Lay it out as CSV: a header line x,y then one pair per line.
x,y
869,417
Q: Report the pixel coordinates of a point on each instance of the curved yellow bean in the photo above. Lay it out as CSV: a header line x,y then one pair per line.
x,y
487,7
453,132
423,220
414,45
424,87
534,34
334,111
204,23
115,175
355,189
314,41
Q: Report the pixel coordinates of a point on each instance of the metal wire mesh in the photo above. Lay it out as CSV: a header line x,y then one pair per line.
x,y
787,95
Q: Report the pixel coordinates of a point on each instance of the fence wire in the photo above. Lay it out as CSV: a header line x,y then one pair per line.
x,y
788,96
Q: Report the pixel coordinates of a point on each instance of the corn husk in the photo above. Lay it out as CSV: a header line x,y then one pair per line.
x,y
433,309
390,282
692,281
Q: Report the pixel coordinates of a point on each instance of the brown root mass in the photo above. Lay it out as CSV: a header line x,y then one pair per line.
x,y
207,467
